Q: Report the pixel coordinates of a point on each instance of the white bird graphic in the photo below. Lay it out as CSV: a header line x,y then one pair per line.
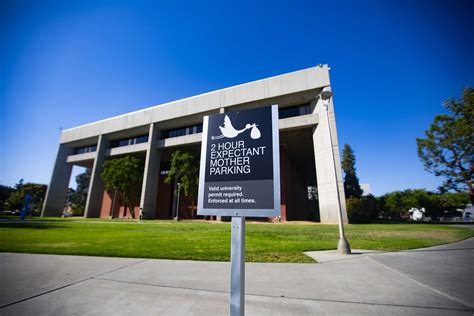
x,y
228,131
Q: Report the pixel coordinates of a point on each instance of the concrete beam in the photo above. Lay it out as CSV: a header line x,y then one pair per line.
x,y
81,157
265,89
116,151
96,186
179,141
151,174
298,122
56,194
303,121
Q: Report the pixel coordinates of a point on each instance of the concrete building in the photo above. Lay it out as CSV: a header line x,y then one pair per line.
x,y
308,174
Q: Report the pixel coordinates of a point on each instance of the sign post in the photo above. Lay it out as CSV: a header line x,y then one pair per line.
x,y
240,177
237,266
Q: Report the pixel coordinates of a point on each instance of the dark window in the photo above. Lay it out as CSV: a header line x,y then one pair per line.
x,y
292,111
141,139
129,141
176,132
123,142
86,149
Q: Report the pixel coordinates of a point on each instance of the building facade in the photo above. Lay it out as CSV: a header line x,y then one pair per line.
x,y
309,176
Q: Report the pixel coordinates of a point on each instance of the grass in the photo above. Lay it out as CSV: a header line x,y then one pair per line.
x,y
207,241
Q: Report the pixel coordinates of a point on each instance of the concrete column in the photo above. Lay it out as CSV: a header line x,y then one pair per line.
x,y
151,174
96,186
56,193
328,207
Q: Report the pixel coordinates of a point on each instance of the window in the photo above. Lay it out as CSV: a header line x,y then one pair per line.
x,y
86,149
129,141
176,132
293,111
141,139
123,142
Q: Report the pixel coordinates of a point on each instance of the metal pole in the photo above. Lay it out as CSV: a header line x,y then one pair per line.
x,y
113,205
237,262
343,246
177,203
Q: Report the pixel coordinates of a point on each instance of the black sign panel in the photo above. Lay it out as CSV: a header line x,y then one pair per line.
x,y
240,164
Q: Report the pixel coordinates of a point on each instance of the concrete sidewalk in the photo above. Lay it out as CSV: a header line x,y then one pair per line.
x,y
431,281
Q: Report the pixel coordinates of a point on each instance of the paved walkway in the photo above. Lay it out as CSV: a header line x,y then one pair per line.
x,y
431,281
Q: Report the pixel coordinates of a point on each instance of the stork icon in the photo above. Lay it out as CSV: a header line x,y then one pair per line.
x,y
228,131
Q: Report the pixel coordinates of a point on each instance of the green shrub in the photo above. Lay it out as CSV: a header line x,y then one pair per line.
x,y
77,210
361,210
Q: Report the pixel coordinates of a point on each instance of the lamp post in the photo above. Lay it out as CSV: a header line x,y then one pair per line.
x,y
112,210
343,246
177,203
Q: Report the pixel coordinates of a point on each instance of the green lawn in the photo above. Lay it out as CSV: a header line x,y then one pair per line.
x,y
211,241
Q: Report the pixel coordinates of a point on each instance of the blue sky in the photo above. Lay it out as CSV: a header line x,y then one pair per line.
x,y
66,63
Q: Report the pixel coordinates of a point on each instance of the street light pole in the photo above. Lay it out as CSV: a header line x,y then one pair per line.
x,y
113,204
177,203
343,246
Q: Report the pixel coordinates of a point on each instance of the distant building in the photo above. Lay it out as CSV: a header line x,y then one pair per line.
x,y
308,180
467,213
365,189
417,215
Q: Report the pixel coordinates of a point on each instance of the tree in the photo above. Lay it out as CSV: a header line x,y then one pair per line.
x,y
351,182
397,203
448,149
19,185
37,192
184,170
124,176
78,197
5,193
452,201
